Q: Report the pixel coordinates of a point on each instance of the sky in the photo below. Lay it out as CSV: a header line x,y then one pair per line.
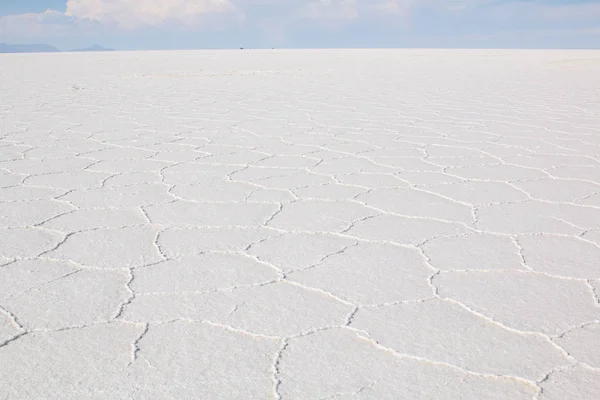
x,y
194,24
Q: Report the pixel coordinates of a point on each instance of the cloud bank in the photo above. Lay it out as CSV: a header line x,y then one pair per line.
x,y
391,19
131,14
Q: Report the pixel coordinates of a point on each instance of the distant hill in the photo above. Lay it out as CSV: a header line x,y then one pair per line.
x,y
94,48
27,48
44,48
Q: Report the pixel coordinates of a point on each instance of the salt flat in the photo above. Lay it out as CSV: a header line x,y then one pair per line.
x,y
333,224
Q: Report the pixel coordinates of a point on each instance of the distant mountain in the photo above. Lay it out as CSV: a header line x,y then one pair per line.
x,y
27,48
44,48
94,48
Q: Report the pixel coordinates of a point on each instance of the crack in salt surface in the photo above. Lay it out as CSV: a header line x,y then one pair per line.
x,y
377,345
276,371
135,349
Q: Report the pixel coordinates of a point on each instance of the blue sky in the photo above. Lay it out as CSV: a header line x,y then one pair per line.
x,y
182,24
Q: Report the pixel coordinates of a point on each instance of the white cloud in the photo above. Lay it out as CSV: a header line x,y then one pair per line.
x,y
330,9
35,25
279,17
134,13
393,6
354,9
